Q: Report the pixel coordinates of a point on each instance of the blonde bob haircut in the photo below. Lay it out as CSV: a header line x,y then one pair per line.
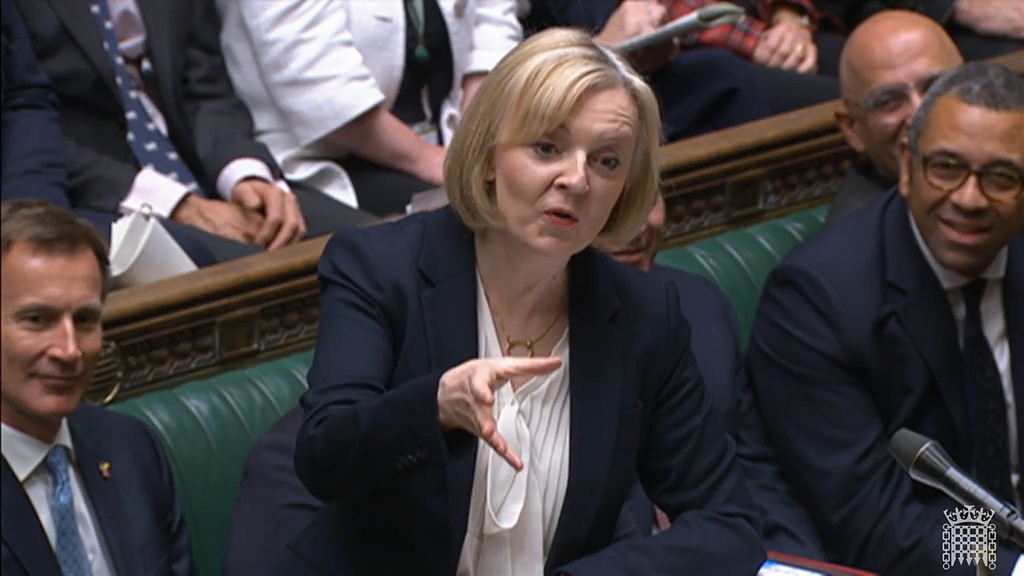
x,y
532,91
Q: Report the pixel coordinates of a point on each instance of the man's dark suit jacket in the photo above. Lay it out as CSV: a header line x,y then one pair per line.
x,y
207,123
33,158
862,184
854,339
972,45
137,510
716,346
398,309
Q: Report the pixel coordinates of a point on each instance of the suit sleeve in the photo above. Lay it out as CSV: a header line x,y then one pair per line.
x,y
830,436
688,467
179,552
496,32
272,506
313,73
358,423
787,527
33,161
222,128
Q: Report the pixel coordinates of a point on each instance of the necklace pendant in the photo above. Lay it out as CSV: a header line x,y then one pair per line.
x,y
511,345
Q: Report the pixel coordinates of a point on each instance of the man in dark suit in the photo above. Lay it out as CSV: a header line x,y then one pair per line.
x,y
33,155
85,491
981,28
908,313
151,123
885,68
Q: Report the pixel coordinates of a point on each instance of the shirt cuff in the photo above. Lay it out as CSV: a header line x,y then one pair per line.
x,y
240,169
1018,568
152,189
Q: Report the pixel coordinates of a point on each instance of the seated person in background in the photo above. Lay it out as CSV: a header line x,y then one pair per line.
x,y
359,98
446,425
887,65
730,91
85,490
782,34
785,525
33,154
908,313
150,122
980,28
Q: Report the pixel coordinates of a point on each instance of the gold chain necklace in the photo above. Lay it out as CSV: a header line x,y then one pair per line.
x,y
528,343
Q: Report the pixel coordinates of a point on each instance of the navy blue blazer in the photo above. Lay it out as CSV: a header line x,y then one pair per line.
x,y
33,155
786,525
854,339
398,309
138,512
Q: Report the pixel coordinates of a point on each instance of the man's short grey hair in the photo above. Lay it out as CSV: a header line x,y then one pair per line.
x,y
981,84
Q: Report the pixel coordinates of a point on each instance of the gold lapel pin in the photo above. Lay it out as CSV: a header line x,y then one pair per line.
x,y
105,470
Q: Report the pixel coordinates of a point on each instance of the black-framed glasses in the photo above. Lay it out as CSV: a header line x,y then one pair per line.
x,y
947,172
892,97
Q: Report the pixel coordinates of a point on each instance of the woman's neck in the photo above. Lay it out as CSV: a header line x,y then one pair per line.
x,y
519,282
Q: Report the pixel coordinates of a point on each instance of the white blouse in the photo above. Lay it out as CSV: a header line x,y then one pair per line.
x,y
513,515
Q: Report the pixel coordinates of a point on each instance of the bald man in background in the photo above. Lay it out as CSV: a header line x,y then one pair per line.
x,y
885,68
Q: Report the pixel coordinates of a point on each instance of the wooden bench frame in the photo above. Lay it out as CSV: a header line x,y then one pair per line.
x,y
266,306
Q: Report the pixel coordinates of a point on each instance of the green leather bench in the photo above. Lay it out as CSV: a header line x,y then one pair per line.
x,y
209,425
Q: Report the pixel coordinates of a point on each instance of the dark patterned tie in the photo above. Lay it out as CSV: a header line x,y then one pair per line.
x,y
69,548
150,146
981,376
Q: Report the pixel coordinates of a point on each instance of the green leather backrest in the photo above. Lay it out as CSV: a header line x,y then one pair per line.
x,y
208,427
739,260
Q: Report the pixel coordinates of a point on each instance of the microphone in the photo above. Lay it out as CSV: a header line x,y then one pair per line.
x,y
926,461
706,17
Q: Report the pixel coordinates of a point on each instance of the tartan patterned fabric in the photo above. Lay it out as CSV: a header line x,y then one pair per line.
x,y
742,37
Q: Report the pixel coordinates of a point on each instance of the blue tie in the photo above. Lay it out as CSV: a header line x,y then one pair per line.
x,y
70,550
148,144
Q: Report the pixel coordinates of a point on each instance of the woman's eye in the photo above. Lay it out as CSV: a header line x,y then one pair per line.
x,y
544,149
609,162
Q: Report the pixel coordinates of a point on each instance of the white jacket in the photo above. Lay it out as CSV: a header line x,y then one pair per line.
x,y
308,67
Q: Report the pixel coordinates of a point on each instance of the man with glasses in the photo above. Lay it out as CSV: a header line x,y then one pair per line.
x,y
908,313
886,66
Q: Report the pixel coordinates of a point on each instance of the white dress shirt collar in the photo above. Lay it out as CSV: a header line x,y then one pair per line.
x,y
24,453
951,280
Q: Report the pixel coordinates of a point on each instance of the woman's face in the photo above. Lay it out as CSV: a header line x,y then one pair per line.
x,y
557,193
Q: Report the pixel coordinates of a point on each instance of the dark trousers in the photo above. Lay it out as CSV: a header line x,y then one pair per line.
x,y
381,191
706,89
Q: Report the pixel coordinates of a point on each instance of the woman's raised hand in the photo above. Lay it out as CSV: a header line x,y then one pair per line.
x,y
465,396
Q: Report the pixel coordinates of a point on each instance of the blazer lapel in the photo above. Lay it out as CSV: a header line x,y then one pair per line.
x,y
449,315
83,28
105,491
1013,306
22,531
923,310
596,375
